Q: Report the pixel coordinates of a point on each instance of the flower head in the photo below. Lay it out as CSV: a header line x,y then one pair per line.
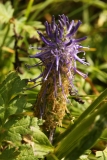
x,y
61,48
59,56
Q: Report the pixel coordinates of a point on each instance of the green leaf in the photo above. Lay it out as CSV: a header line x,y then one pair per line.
x,y
15,126
101,155
21,24
28,9
26,153
85,114
42,145
17,106
15,129
11,86
89,139
9,102
69,143
6,12
26,129
9,154
51,157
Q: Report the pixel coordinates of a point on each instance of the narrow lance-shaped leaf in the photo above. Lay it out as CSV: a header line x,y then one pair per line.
x,y
90,138
69,143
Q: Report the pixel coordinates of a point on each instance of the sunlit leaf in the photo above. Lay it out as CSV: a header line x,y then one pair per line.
x,y
6,12
9,89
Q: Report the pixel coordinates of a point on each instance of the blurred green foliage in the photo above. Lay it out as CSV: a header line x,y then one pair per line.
x,y
19,22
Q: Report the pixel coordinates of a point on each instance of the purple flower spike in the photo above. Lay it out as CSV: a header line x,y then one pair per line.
x,y
60,48
58,56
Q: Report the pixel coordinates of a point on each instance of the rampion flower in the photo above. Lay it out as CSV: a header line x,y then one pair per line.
x,y
59,57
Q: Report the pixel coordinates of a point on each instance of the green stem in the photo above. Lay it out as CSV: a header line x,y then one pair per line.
x,y
4,39
28,10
